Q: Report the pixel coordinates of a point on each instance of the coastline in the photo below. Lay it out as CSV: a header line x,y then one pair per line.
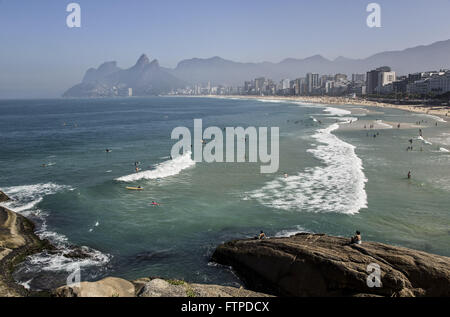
x,y
437,111
333,267
17,241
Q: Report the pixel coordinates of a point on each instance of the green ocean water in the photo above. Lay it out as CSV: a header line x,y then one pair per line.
x,y
338,180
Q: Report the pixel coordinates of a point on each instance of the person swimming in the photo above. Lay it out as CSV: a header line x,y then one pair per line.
x,y
154,203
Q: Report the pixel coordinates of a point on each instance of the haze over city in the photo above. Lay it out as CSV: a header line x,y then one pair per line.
x,y
42,57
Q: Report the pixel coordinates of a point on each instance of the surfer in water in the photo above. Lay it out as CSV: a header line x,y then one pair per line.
x,y
409,175
154,203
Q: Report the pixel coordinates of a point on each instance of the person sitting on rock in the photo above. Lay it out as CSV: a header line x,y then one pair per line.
x,y
356,238
262,235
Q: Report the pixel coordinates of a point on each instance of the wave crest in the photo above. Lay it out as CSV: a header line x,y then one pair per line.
x,y
339,186
162,170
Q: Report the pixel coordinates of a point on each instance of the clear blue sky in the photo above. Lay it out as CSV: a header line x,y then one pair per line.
x,y
40,56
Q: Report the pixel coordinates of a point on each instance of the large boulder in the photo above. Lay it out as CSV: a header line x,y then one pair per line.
x,y
108,287
176,288
3,197
321,265
150,287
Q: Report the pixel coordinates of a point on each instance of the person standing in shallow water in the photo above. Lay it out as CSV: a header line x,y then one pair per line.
x,y
409,175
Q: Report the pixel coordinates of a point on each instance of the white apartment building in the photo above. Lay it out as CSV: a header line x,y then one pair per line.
x,y
384,81
437,83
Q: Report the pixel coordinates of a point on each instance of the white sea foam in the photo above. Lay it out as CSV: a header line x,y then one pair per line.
x,y
273,100
25,200
337,112
290,232
436,118
380,122
162,170
346,120
59,262
423,140
442,149
26,284
337,186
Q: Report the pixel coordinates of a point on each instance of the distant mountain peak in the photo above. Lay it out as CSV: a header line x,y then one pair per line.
x,y
143,60
145,78
154,63
316,57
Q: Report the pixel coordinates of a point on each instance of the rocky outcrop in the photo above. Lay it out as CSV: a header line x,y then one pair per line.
x,y
321,265
108,287
147,287
3,197
17,240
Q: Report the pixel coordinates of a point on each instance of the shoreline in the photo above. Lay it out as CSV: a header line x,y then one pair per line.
x,y
404,279
17,241
340,101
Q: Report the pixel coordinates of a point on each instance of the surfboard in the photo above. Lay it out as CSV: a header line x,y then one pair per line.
x,y
134,188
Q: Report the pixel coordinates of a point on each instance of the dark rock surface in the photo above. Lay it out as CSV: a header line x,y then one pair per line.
x,y
17,240
321,265
3,197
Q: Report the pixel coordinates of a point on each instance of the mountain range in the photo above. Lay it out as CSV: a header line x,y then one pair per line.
x,y
149,78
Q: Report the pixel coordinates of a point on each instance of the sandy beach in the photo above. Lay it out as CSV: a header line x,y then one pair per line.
x,y
437,111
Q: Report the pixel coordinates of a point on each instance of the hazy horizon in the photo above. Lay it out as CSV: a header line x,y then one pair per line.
x,y
42,57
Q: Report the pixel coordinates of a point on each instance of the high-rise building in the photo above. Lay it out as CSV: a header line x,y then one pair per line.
x,y
259,84
358,78
340,77
312,82
378,78
300,86
285,84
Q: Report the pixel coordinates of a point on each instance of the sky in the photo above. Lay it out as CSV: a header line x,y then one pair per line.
x,y
41,57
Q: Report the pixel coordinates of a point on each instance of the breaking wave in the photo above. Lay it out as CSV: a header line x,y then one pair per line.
x,y
336,186
423,140
25,200
162,170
